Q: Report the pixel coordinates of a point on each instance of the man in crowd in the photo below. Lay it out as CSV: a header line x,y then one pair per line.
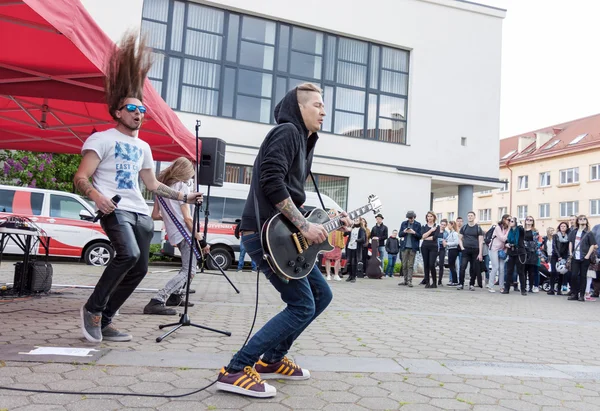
x,y
379,232
410,231
471,241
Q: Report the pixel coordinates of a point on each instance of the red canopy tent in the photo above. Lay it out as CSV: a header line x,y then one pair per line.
x,y
52,56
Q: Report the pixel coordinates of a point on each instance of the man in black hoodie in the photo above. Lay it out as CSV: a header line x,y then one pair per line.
x,y
280,170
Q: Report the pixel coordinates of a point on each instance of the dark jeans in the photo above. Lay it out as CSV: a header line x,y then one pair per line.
x,y
531,272
452,256
512,263
353,257
130,235
441,258
469,256
579,270
429,253
306,298
391,263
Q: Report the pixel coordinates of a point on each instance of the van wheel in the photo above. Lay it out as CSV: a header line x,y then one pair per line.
x,y
98,254
221,257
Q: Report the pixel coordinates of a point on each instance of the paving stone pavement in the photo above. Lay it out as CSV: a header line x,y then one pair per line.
x,y
377,347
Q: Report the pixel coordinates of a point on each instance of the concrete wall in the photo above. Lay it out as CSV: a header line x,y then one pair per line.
x,y
454,90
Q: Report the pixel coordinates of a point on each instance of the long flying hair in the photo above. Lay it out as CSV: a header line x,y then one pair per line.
x,y
126,71
182,169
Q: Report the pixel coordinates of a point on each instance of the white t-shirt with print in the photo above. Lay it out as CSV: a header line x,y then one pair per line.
x,y
175,236
121,159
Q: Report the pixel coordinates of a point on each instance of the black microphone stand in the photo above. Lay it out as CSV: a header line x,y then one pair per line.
x,y
184,320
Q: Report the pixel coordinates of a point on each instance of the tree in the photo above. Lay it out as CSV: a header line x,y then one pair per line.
x,y
41,170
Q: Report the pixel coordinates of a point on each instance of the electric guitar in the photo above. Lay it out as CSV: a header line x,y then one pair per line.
x,y
289,253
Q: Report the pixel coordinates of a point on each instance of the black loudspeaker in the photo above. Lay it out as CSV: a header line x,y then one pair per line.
x,y
37,279
212,162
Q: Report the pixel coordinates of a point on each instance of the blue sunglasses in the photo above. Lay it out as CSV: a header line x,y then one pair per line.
x,y
131,108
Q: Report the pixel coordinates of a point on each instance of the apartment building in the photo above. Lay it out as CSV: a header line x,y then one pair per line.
x,y
550,174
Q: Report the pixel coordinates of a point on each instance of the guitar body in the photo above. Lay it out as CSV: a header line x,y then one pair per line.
x,y
286,250
374,264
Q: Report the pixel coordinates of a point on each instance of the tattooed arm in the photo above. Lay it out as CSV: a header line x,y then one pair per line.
x,y
315,233
162,190
87,167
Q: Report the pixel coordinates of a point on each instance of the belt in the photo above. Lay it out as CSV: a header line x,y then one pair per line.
x,y
247,232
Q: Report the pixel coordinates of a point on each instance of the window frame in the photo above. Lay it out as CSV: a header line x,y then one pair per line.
x,y
214,101
522,212
485,215
502,211
520,180
597,168
70,199
546,207
568,213
545,179
565,172
597,202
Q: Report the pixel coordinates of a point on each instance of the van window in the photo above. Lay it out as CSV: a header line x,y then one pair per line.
x,y
65,207
215,207
233,209
25,201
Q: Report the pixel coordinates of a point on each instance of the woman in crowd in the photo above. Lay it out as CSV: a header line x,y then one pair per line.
x,y
365,247
429,248
532,244
354,246
336,239
558,249
496,251
452,249
515,248
441,242
581,247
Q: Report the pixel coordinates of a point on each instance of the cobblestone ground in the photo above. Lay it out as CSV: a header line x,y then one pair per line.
x,y
378,347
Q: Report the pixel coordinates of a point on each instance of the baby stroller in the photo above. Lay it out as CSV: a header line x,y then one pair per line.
x,y
545,274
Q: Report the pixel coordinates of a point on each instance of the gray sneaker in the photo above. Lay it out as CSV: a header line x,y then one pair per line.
x,y
90,325
157,307
111,333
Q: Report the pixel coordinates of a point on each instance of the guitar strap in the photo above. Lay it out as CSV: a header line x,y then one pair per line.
x,y
317,190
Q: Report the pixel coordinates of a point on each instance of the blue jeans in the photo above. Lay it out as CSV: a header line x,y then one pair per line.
x,y
391,263
306,298
241,259
382,254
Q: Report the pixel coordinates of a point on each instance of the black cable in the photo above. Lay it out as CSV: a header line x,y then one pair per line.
x,y
135,394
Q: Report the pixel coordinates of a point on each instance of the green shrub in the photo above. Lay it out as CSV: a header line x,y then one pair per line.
x,y
397,266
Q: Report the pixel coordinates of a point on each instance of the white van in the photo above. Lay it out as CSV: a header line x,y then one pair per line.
x,y
65,217
226,205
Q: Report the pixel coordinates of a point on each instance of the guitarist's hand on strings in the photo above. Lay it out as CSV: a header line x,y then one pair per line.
x,y
314,233
346,221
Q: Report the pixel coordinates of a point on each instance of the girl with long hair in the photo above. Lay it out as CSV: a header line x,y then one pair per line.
x,y
497,251
356,240
176,176
452,248
515,248
532,244
581,247
429,248
365,247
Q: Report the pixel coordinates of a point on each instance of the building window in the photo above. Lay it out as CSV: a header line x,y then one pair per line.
x,y
569,208
522,212
569,176
594,207
221,63
451,216
439,217
501,211
523,182
595,172
544,210
335,187
485,215
484,192
545,179
504,187
238,173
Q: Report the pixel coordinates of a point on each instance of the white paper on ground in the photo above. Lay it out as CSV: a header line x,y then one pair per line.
x,y
70,351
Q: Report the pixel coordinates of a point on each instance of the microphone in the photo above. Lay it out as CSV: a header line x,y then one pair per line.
x,y
100,214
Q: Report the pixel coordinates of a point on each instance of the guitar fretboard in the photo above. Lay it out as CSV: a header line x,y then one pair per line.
x,y
335,222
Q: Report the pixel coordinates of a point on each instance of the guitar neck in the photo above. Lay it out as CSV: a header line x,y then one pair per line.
x,y
336,223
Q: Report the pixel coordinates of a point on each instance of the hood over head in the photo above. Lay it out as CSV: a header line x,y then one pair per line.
x,y
288,111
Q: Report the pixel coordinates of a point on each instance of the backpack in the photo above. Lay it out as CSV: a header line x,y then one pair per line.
x,y
489,236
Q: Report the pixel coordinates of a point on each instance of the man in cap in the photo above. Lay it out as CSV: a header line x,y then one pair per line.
x,y
379,232
410,231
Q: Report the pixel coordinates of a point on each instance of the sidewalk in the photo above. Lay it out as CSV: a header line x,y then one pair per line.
x,y
378,347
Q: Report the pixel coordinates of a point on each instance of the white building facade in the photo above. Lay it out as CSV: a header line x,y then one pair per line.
x,y
411,87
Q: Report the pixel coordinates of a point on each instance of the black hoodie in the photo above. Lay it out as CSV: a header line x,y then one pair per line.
x,y
282,164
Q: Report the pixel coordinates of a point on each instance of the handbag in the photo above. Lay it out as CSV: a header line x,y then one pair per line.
x,y
502,254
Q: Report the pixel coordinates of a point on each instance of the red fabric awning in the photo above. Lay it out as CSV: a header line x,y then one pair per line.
x,y
52,56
